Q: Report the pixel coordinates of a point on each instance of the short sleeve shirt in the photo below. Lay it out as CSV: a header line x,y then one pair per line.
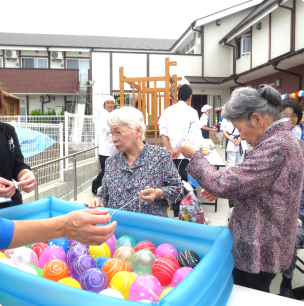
x,y
6,233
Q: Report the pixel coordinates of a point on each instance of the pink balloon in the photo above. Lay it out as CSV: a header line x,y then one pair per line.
x,y
111,244
179,275
145,287
50,253
166,249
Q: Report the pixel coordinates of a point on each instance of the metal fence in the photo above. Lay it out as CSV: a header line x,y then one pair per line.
x,y
41,143
66,134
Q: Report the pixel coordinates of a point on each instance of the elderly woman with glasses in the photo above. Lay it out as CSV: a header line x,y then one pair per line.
x,y
138,173
265,189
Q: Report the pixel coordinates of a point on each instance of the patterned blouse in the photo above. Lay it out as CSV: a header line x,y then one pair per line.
x,y
153,168
265,190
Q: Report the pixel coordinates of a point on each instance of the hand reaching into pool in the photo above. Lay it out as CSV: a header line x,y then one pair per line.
x,y
207,195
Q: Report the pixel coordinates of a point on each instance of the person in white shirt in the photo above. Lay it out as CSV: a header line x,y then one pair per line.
x,y
106,146
292,111
204,122
177,123
235,148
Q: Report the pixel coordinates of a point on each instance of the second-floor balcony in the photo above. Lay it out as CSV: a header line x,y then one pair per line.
x,y
47,81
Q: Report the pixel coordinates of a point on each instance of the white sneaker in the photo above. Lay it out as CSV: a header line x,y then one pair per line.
x,y
177,218
221,146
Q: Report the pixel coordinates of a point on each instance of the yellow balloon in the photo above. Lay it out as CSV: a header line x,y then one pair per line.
x,y
293,95
69,281
100,250
2,255
122,281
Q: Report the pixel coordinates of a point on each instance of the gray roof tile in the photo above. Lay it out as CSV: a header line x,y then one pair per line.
x,y
82,41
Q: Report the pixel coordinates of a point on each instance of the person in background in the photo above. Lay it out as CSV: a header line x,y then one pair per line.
x,y
12,164
139,177
222,137
106,146
81,225
235,147
204,122
265,188
293,112
176,124
286,286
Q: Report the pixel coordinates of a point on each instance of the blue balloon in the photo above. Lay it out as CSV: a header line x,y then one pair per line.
x,y
100,261
62,242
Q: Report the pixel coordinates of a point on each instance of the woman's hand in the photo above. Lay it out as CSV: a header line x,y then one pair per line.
x,y
207,195
94,203
149,195
27,181
7,192
187,149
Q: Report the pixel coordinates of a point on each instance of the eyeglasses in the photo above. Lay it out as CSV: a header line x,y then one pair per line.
x,y
292,116
117,134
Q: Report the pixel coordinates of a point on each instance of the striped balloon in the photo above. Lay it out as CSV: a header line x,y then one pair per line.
x,y
164,268
125,253
113,266
122,282
94,280
55,270
145,245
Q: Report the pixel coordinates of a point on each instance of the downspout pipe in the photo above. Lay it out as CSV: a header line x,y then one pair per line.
x,y
236,82
289,72
234,60
202,33
45,102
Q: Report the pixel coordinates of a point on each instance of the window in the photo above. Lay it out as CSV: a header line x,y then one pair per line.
x,y
246,43
192,43
187,47
1,62
39,63
238,49
83,66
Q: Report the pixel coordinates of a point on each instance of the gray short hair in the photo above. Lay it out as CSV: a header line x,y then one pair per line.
x,y
301,143
246,100
128,115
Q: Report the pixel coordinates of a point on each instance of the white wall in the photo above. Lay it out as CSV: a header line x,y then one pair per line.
x,y
187,65
1,52
34,102
135,65
243,63
101,76
34,53
299,24
280,30
218,58
260,42
76,54
57,64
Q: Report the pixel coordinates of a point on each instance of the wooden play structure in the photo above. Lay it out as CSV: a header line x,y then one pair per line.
x,y
150,98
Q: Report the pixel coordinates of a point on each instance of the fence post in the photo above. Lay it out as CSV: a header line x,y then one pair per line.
x,y
96,135
35,172
66,138
75,178
61,151
18,118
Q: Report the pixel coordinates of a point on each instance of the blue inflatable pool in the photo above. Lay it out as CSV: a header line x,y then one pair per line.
x,y
210,283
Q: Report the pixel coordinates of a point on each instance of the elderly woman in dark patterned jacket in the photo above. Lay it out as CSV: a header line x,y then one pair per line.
x,y
138,173
265,189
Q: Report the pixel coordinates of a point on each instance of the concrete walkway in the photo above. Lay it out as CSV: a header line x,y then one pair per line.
x,y
218,218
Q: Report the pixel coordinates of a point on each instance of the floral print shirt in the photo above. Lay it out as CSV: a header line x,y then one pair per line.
x,y
153,168
265,190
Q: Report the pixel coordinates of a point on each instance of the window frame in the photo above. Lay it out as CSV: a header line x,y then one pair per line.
x,y
47,62
246,35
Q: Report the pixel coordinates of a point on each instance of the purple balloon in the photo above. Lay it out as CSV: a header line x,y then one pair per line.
x,y
73,243
111,244
75,252
81,264
94,280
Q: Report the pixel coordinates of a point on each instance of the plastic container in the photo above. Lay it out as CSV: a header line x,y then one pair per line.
x,y
210,283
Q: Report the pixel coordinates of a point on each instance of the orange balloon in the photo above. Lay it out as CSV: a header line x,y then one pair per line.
x,y
125,253
113,266
55,270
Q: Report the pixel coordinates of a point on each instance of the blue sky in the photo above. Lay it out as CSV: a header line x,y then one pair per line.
x,y
127,18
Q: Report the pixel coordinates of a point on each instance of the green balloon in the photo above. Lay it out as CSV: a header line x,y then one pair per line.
x,y
38,270
142,262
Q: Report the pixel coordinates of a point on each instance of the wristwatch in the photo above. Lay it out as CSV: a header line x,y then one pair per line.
x,y
163,195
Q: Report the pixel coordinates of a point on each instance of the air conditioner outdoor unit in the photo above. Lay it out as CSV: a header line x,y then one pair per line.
x,y
56,56
11,54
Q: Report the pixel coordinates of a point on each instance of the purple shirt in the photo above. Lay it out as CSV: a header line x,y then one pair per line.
x,y
265,190
153,167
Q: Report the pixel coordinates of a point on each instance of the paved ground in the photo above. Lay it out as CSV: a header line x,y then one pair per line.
x,y
217,219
